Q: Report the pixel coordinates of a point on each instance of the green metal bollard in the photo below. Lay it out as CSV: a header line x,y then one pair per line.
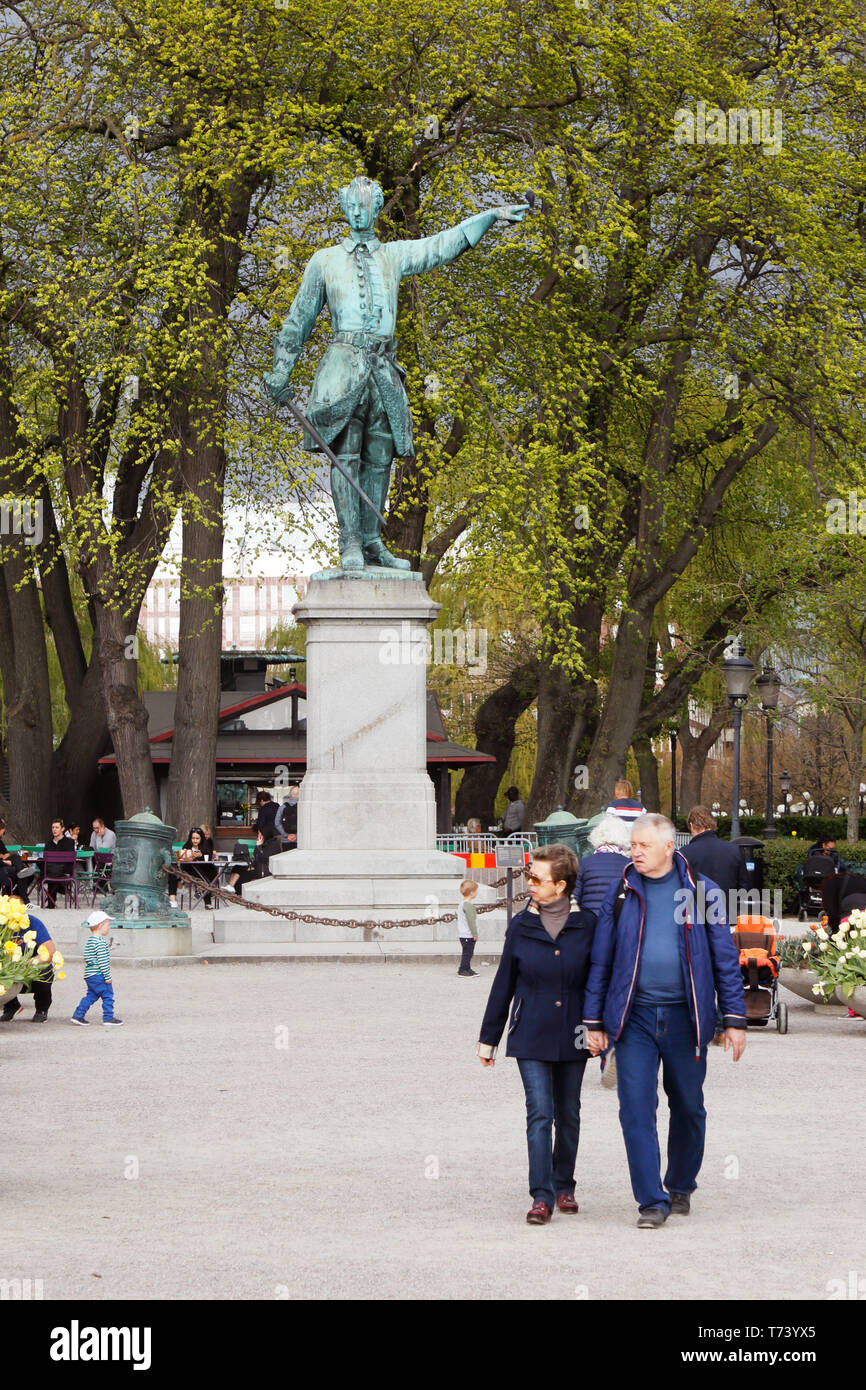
x,y
140,889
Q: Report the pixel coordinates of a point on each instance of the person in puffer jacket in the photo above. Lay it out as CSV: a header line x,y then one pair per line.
x,y
655,971
611,842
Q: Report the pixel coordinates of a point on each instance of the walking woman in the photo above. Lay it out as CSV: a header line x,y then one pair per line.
x,y
544,966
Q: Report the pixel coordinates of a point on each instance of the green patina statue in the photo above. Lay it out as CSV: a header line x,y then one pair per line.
x,y
358,404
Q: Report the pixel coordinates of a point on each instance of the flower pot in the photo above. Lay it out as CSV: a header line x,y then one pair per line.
x,y
800,982
857,1002
13,990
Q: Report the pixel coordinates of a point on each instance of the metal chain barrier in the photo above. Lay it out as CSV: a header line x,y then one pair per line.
x,y
226,895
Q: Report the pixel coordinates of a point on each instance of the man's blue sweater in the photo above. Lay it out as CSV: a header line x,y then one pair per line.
x,y
660,977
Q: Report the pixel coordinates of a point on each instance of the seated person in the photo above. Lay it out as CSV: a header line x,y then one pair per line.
x,y
261,865
58,841
192,856
826,844
103,840
15,872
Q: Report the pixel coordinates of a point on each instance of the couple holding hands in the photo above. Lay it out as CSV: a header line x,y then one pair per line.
x,y
646,976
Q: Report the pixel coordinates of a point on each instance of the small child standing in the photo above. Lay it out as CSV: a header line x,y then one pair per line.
x,y
466,928
97,973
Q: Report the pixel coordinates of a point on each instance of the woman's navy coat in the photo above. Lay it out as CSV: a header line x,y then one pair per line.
x,y
546,980
595,875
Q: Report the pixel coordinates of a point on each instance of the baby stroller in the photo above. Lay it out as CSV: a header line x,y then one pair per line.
x,y
755,939
841,895
815,870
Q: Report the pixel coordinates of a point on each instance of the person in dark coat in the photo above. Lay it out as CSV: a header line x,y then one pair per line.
x,y
715,858
611,842
266,819
657,969
58,841
15,872
826,844
287,818
543,969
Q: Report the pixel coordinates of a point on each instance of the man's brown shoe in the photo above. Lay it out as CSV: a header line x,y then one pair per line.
x,y
539,1214
565,1202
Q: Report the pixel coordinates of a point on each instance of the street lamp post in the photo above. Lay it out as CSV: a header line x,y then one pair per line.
x,y
673,735
785,784
738,671
769,684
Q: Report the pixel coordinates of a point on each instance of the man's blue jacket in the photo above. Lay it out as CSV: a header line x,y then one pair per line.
x,y
709,958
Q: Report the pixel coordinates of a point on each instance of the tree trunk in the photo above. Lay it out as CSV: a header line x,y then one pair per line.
x,y
494,734
695,751
562,711
621,708
192,776
855,766
27,700
114,640
648,768
75,767
23,654
222,221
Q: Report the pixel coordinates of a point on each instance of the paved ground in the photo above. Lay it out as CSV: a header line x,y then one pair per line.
x,y
310,1130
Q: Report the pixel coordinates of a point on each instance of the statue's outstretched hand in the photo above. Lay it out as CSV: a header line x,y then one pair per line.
x,y
278,387
513,212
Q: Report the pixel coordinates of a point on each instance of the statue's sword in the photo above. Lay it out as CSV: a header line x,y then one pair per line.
x,y
330,455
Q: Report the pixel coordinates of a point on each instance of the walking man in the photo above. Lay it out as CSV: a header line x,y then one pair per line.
x,y
652,987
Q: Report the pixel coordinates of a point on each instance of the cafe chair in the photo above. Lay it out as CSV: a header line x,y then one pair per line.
x,y
58,870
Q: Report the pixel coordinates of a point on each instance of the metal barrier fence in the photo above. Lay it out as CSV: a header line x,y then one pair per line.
x,y
487,845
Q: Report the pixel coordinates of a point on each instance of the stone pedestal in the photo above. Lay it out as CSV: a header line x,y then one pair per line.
x,y
366,814
146,943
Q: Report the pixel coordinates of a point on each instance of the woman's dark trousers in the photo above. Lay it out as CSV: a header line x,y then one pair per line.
x,y
552,1125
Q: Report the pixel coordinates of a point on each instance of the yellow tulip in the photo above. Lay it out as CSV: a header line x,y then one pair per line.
x,y
30,935
42,952
58,959
61,974
8,947
17,953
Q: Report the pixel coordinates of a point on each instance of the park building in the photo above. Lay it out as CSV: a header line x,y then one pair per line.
x,y
262,743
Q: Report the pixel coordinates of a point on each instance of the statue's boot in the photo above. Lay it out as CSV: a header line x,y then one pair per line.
x,y
375,479
347,505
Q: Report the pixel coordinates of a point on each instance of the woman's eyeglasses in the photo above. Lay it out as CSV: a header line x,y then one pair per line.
x,y
537,882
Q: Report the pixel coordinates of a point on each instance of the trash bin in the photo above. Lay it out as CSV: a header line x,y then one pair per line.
x,y
752,852
561,827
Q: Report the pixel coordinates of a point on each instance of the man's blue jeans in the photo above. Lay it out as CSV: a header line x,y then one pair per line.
x,y
552,1099
97,988
663,1034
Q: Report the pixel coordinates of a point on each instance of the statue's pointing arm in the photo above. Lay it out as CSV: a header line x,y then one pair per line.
x,y
296,329
431,251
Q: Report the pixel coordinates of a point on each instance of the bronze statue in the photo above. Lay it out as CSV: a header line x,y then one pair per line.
x,y
358,405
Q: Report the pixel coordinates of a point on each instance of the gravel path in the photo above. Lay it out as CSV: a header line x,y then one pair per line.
x,y
309,1130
